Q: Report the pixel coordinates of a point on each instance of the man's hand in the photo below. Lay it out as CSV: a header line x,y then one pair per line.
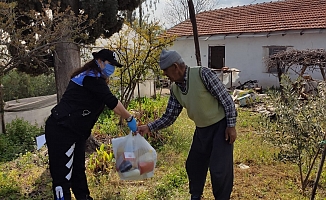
x,y
143,130
230,134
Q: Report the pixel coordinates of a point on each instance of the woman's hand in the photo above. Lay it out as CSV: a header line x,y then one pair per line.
x,y
132,124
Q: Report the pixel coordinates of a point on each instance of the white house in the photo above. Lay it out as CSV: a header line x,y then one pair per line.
x,y
241,37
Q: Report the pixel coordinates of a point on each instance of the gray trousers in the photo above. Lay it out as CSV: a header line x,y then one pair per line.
x,y
209,150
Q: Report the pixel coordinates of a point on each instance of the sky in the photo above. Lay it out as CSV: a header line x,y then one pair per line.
x,y
230,3
159,13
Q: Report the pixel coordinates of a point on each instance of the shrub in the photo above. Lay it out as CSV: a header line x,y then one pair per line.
x,y
147,110
107,124
19,85
298,129
19,138
144,109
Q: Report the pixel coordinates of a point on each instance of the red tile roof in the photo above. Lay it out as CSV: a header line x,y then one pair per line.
x,y
264,17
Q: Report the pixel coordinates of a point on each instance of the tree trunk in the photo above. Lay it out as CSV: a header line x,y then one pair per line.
x,y
320,170
66,60
2,112
279,74
303,70
322,71
194,28
140,14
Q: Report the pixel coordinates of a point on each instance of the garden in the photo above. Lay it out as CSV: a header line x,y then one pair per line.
x,y
274,157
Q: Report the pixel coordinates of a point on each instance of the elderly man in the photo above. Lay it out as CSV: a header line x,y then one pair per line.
x,y
211,107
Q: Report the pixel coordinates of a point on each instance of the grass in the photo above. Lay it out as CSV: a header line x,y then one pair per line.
x,y
267,178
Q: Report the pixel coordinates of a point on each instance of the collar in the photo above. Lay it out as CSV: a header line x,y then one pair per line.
x,y
184,85
185,78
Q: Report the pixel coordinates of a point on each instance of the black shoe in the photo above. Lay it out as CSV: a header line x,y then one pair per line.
x,y
85,198
89,198
195,197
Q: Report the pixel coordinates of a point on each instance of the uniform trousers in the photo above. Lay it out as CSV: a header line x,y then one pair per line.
x,y
66,151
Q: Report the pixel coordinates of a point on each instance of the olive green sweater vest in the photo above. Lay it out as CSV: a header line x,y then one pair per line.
x,y
201,106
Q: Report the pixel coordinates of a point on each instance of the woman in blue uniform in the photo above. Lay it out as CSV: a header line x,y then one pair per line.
x,y
72,119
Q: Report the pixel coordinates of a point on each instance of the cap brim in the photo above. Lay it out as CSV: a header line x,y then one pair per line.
x,y
115,63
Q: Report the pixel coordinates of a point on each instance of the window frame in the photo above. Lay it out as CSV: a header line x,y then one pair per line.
x,y
272,50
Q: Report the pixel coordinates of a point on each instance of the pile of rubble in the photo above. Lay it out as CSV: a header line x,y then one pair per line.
x,y
247,97
254,100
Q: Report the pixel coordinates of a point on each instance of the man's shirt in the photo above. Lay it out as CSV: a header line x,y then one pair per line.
x,y
213,85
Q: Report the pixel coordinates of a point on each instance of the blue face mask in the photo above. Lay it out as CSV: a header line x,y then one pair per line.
x,y
108,70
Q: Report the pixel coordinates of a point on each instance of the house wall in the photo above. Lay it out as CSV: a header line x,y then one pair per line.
x,y
247,52
146,89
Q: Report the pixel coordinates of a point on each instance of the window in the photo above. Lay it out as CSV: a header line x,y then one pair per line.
x,y
216,58
272,50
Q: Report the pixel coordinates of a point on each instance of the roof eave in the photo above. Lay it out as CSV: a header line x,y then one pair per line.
x,y
253,34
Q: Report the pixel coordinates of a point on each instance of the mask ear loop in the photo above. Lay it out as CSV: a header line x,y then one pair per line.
x,y
98,64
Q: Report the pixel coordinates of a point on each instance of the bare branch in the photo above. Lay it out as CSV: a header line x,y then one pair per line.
x,y
177,11
298,60
27,39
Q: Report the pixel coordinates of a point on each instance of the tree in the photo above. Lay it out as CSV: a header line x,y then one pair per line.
x,y
298,129
194,29
105,19
149,5
177,11
103,16
139,49
28,48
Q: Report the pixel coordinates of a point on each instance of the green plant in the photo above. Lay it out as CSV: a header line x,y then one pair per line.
x,y
246,151
7,186
171,182
267,177
17,85
7,149
107,126
19,138
147,110
101,160
243,122
105,114
298,128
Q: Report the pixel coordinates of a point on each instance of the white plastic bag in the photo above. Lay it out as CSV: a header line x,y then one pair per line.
x,y
135,157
